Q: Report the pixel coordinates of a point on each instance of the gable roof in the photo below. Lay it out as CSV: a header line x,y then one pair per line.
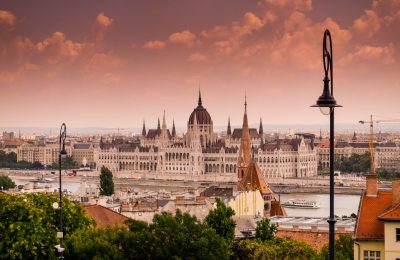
x,y
393,214
82,146
104,216
254,180
369,226
237,133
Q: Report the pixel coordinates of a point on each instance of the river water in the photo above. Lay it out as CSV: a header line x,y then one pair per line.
x,y
344,204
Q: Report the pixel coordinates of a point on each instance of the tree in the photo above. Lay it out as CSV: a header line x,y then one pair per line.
x,y
354,163
106,182
220,219
183,237
344,248
277,248
169,237
265,230
29,224
97,243
6,183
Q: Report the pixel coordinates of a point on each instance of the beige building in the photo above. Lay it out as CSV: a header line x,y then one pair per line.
x,y
247,203
200,153
377,234
45,154
83,152
387,155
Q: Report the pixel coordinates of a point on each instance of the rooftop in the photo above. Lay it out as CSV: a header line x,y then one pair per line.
x,y
104,216
371,211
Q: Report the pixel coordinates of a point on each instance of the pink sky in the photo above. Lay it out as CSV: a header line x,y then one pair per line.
x,y
113,65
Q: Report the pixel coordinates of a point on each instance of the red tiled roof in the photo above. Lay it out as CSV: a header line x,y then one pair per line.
x,y
104,216
254,180
391,214
371,208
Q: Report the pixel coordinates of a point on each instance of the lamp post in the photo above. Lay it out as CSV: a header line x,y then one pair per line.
x,y
327,103
61,159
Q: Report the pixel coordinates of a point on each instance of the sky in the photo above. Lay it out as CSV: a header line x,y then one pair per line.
x,y
116,63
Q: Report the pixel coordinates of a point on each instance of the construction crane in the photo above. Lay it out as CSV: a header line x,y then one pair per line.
x,y
371,123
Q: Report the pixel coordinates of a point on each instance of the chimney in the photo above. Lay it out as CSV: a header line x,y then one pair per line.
x,y
396,191
372,185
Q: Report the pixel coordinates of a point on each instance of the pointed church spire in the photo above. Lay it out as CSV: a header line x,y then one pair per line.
x,y
173,128
245,104
158,127
245,144
144,129
261,130
164,124
229,131
354,136
200,103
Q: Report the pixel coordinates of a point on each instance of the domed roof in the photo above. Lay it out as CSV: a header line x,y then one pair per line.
x,y
202,116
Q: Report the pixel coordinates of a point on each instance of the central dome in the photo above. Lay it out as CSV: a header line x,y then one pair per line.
x,y
202,116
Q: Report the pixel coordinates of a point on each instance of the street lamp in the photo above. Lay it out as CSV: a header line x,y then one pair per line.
x,y
62,157
327,103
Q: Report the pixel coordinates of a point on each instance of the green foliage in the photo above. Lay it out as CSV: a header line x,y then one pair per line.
x,y
220,219
344,248
265,230
276,248
169,237
29,224
69,163
388,175
6,183
106,182
9,160
97,243
354,163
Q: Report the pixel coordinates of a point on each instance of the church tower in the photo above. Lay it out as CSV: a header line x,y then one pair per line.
x,y
244,157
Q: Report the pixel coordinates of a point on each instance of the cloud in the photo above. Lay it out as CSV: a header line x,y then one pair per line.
x,y
300,5
57,55
368,24
154,45
196,56
369,54
7,20
104,20
185,37
57,48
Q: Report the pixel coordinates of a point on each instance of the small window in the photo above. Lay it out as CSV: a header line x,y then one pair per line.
x,y
372,255
397,234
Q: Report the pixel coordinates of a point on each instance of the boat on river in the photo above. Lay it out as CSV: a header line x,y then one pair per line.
x,y
42,179
304,204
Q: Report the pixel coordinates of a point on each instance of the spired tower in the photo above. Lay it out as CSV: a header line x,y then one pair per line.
x,y
204,125
250,176
244,157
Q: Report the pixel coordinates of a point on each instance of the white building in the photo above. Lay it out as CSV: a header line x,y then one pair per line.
x,y
200,152
46,154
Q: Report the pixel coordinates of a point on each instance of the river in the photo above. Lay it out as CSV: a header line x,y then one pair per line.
x,y
344,204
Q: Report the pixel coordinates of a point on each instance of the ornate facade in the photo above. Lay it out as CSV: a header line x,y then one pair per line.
x,y
200,152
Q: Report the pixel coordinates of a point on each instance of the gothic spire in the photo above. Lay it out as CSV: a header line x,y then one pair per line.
x,y
173,128
245,144
261,130
158,127
164,124
144,129
229,131
200,103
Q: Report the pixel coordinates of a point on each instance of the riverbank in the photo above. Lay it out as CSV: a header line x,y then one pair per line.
x,y
306,187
